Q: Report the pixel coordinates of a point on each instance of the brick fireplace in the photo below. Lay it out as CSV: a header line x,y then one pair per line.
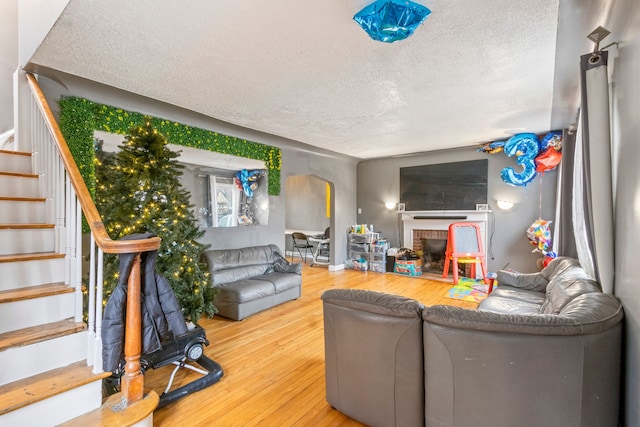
x,y
426,231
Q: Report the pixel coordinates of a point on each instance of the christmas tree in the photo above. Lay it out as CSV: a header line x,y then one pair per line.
x,y
138,191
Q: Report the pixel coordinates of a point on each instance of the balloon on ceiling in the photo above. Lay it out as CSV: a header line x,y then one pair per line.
x,y
391,20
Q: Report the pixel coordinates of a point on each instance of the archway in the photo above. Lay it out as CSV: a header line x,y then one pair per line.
x,y
309,208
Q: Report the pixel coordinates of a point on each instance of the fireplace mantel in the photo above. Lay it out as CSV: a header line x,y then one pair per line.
x,y
440,220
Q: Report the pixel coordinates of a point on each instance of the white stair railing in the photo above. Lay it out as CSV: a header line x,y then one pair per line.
x,y
64,211
67,201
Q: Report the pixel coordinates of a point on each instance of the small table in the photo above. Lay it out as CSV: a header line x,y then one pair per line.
x,y
316,252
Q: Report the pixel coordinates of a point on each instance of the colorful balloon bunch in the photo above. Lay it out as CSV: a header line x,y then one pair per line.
x,y
535,156
539,235
247,181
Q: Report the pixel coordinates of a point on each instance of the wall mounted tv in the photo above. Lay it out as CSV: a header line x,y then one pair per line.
x,y
444,186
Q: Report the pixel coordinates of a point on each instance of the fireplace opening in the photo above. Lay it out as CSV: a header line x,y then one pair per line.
x,y
432,245
433,254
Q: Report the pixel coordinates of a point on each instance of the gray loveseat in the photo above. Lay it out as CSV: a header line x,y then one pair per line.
x,y
252,279
543,349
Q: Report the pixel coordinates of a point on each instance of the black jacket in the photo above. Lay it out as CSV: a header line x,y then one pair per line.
x,y
161,312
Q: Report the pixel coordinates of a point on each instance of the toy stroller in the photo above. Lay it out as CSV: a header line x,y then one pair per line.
x,y
166,337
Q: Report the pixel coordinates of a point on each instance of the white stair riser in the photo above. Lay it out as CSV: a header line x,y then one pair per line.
x,y
26,241
57,409
31,273
18,186
15,163
17,363
18,212
36,311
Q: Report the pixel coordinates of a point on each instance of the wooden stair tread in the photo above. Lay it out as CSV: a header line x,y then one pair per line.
x,y
27,391
30,226
31,292
21,175
110,414
17,153
23,199
30,257
34,334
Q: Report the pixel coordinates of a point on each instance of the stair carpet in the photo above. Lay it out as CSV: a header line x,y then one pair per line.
x,y
44,379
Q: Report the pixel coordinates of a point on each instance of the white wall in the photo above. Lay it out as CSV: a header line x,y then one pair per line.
x,y
36,17
624,24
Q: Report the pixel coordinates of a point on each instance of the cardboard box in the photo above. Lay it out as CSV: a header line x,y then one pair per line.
x,y
410,268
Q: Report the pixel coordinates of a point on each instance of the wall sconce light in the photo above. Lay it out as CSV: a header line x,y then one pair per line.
x,y
390,205
504,205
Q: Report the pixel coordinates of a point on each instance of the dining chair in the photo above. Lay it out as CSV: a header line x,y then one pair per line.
x,y
300,241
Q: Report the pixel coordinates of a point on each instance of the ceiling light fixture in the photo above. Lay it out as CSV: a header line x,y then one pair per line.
x,y
390,205
391,20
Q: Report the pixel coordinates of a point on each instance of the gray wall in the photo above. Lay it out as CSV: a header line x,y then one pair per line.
x,y
624,24
297,159
379,182
306,203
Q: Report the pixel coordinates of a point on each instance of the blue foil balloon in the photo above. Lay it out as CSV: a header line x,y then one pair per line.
x,y
525,146
248,180
391,20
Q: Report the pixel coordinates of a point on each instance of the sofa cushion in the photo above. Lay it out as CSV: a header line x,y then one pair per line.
x,y
565,287
230,275
222,259
525,295
536,281
281,281
506,305
244,290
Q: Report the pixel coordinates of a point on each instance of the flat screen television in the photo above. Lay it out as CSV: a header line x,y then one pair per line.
x,y
444,186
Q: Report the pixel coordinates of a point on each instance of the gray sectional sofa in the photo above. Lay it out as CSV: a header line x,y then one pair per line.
x,y
252,279
543,349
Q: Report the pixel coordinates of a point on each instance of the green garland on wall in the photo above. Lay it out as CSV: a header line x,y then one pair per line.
x,y
79,118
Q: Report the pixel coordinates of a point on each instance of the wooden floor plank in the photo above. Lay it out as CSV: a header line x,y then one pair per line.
x,y
274,360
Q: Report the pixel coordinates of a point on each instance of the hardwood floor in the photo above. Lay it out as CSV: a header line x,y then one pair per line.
x,y
273,361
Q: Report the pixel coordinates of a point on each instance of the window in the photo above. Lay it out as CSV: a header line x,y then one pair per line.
x,y
225,200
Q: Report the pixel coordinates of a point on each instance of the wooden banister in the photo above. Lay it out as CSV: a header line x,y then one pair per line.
x,y
132,381
132,384
88,207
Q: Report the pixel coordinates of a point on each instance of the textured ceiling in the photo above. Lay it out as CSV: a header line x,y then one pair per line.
x,y
475,71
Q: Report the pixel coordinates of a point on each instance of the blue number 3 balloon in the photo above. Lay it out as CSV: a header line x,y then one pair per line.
x,y
526,147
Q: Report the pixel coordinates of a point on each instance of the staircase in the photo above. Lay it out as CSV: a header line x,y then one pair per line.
x,y
50,360
44,376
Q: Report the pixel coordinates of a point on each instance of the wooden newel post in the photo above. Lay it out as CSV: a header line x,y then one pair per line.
x,y
132,381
